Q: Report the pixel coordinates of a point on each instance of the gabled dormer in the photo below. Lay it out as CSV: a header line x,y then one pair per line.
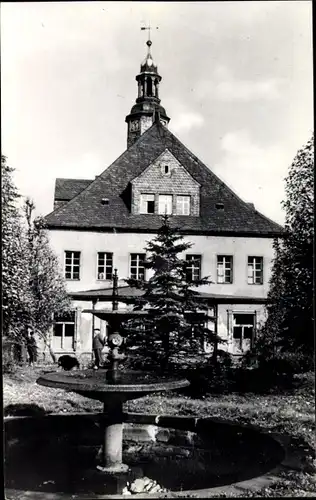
x,y
165,186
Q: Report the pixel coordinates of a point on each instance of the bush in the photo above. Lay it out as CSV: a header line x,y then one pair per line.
x,y
13,353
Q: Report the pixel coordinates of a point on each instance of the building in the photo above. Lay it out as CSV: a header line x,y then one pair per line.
x,y
103,223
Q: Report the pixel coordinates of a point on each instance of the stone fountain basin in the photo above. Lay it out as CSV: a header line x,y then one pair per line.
x,y
51,457
126,385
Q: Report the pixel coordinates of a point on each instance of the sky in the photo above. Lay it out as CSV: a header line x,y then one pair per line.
x,y
237,83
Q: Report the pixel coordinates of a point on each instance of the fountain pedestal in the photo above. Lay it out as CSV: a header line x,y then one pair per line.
x,y
112,446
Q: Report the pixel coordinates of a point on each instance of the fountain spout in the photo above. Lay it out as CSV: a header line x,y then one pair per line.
x,y
114,356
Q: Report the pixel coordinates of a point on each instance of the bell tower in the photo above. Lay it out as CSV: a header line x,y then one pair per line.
x,y
147,108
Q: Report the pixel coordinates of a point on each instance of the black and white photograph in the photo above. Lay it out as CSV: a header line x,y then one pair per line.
x,y
157,210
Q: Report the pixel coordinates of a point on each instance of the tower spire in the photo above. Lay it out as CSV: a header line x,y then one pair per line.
x,y
147,109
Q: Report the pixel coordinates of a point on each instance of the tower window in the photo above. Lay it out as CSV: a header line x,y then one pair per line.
x,y
149,87
147,204
166,169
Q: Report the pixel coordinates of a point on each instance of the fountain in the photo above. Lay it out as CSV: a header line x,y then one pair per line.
x,y
188,456
112,387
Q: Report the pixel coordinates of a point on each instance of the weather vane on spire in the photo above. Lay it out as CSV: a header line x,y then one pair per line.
x,y
148,28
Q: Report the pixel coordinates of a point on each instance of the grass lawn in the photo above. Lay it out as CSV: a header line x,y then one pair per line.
x,y
292,413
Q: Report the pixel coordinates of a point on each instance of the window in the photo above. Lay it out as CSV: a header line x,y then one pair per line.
x,y
147,204
105,266
224,269
183,205
243,329
219,206
72,265
193,267
165,169
255,270
165,204
137,270
64,332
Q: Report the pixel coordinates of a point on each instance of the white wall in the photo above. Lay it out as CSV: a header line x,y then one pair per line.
x,y
123,244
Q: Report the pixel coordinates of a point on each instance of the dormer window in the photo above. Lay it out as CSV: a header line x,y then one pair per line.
x,y
220,206
183,205
165,204
147,204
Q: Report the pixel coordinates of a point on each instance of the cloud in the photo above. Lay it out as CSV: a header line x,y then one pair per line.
x,y
253,172
247,90
186,121
225,87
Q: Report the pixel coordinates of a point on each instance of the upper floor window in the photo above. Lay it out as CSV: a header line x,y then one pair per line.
x,y
105,266
193,267
137,268
165,204
183,205
224,269
147,204
72,265
255,270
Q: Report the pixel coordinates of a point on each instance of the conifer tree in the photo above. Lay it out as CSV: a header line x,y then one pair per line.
x,y
289,329
16,295
176,316
46,283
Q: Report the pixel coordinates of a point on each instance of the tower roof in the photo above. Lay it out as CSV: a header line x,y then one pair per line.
x,y
148,65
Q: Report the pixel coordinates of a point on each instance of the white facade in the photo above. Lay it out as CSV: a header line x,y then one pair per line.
x,y
122,245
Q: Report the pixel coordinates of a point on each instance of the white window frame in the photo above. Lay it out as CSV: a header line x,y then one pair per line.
x,y
64,323
193,267
183,204
143,204
108,256
72,265
243,326
166,197
140,257
255,270
227,264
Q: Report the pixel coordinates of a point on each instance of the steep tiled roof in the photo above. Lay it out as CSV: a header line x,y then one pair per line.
x,y
66,189
86,211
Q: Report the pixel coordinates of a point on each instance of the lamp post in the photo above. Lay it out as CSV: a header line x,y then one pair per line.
x,y
115,291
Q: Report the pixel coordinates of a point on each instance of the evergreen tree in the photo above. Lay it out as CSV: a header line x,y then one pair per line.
x,y
16,295
33,289
296,253
289,328
176,317
49,295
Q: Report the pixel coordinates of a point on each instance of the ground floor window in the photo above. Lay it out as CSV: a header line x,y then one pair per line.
x,y
243,329
64,332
